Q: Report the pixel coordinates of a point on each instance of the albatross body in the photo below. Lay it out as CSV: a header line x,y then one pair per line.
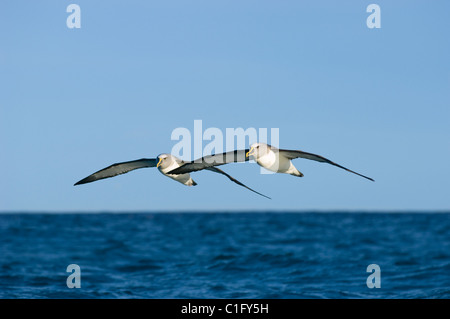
x,y
272,160
167,163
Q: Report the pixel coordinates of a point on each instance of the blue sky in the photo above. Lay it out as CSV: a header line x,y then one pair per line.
x,y
76,100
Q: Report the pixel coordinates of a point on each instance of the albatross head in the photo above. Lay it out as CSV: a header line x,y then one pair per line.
x,y
257,150
164,160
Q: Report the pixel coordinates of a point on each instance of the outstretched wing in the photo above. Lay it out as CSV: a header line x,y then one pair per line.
x,y
117,169
211,161
217,170
291,154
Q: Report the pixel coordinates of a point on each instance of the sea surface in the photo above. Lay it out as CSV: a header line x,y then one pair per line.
x,y
225,255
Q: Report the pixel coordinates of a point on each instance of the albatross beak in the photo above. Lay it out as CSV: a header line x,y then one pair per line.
x,y
249,152
159,163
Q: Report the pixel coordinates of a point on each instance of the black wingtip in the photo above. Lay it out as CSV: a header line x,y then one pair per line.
x,y
349,170
83,181
258,193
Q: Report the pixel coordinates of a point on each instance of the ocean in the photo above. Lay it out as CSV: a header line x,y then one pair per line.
x,y
225,255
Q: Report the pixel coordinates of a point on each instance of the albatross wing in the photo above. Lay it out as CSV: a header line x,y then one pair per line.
x,y
212,161
117,169
217,170
291,154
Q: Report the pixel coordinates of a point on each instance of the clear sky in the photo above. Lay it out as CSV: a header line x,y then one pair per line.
x,y
73,101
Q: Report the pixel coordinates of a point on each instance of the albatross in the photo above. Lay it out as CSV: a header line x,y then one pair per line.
x,y
163,162
272,158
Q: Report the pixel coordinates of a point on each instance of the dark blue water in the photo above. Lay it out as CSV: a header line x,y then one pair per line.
x,y
220,255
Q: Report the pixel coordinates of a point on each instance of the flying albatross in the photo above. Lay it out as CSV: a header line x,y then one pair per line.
x,y
267,156
164,162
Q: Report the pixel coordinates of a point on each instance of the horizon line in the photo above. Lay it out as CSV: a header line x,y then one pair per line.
x,y
234,211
